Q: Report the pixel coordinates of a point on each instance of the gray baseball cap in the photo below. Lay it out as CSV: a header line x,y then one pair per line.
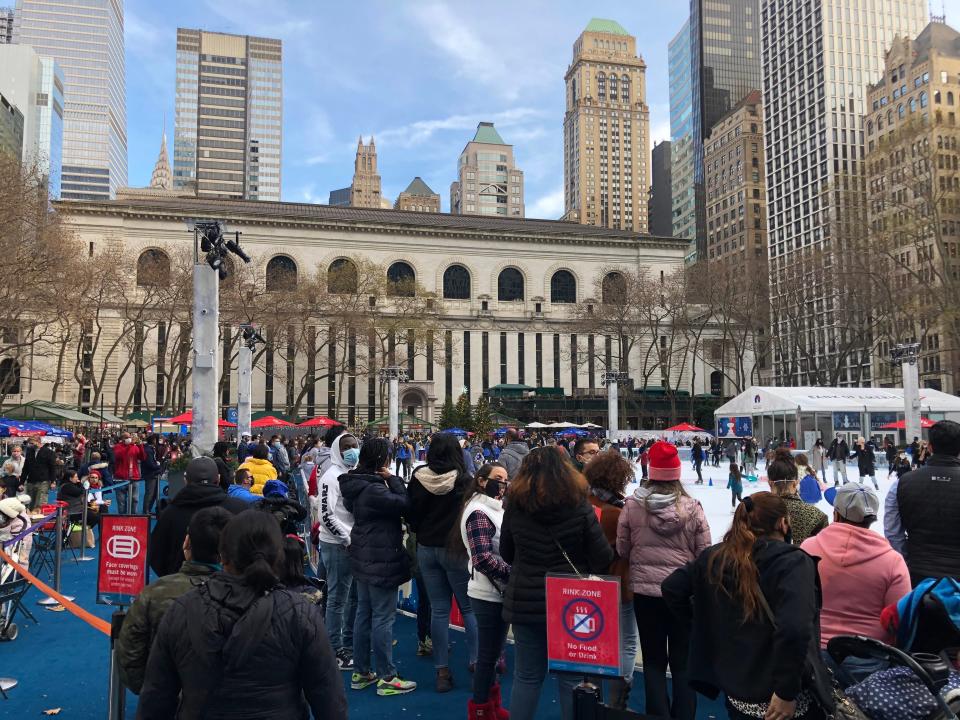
x,y
855,502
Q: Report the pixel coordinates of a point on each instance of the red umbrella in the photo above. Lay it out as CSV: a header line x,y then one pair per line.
x,y
321,421
270,421
187,419
902,424
685,427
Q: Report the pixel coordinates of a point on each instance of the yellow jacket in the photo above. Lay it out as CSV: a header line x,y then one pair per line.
x,y
261,470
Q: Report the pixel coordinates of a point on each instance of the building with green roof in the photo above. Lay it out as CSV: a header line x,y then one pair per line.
x,y
418,197
488,180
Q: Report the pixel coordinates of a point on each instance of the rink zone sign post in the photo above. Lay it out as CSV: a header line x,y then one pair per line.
x,y
583,624
122,570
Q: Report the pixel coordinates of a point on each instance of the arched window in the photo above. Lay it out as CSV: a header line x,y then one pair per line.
x,y
9,376
889,117
625,88
949,98
923,98
281,273
879,122
510,285
153,269
913,105
456,283
869,127
342,277
900,111
563,287
614,288
401,280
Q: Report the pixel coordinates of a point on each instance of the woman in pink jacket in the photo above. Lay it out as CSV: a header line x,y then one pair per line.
x,y
860,575
661,528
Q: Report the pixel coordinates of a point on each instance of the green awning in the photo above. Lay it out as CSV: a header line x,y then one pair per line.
x,y
108,417
46,410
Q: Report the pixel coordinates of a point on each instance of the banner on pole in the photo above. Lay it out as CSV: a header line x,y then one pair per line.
x,y
122,570
583,624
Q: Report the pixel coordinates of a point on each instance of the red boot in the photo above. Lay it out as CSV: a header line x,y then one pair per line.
x,y
497,703
481,711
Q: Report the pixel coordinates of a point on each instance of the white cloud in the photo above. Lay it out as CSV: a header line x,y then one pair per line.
x,y
279,21
308,194
548,207
421,131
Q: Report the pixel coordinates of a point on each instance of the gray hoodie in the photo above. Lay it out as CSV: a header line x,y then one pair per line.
x,y
512,456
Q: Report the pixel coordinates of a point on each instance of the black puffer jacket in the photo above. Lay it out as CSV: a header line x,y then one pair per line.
x,y
750,660
531,544
377,555
230,652
435,499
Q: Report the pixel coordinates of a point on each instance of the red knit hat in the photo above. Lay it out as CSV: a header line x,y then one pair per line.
x,y
664,462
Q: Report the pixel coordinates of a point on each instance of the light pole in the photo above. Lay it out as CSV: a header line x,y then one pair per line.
x,y
248,345
208,240
906,355
393,376
612,379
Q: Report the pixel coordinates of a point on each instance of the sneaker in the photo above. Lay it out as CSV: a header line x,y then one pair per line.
x,y
425,648
345,659
361,681
395,686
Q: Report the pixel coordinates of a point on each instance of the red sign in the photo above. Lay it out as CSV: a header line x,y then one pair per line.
x,y
583,625
122,570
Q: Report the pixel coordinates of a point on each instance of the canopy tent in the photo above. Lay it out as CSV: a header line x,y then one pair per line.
x,y
686,428
24,428
271,414
269,421
591,426
561,425
925,424
457,431
187,419
503,419
537,425
107,418
51,411
321,421
572,432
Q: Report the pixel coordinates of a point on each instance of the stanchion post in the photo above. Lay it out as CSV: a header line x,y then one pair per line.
x,y
83,522
57,557
116,695
129,497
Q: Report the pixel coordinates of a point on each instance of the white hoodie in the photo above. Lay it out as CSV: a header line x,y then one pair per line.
x,y
335,522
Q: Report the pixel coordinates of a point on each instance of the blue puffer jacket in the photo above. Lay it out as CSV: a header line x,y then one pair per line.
x,y
376,548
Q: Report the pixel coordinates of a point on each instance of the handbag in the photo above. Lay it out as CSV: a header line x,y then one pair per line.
x,y
823,687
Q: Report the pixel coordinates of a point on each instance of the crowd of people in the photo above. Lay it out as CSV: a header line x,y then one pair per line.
x,y
235,627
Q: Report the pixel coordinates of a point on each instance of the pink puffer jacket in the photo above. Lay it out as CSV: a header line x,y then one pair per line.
x,y
659,535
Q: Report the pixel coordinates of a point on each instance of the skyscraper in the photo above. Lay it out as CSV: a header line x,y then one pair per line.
x,y
725,62
11,128
660,204
6,25
85,38
365,190
36,85
817,58
606,130
418,197
228,134
488,179
681,134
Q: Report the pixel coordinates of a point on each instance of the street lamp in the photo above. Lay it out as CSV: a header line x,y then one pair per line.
x,y
906,354
393,376
250,337
613,379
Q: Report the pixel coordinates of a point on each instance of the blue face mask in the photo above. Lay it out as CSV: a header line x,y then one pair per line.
x,y
351,457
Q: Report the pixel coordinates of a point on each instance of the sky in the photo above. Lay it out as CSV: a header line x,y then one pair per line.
x,y
418,75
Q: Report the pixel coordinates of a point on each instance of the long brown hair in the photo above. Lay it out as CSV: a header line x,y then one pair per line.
x,y
757,516
547,479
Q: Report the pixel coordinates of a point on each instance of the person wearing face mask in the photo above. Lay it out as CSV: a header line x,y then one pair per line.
x,y
259,465
336,523
479,529
279,457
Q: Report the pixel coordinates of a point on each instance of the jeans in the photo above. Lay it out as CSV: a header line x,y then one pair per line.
x,y
841,467
873,479
664,640
629,639
376,611
445,577
530,653
121,497
423,608
491,636
339,582
150,493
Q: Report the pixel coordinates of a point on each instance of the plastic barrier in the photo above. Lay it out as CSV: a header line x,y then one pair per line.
x,y
89,618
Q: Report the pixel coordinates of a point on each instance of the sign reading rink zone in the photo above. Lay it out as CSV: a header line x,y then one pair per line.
x,y
122,570
583,624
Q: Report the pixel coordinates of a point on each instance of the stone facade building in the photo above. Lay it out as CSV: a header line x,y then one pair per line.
x,y
418,197
365,189
501,296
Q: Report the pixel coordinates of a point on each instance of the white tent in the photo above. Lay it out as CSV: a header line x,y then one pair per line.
x,y
562,425
536,425
805,413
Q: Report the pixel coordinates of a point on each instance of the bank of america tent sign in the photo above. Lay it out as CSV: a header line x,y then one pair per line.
x,y
769,400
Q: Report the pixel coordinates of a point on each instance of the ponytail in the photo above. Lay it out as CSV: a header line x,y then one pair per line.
x,y
782,472
757,516
252,545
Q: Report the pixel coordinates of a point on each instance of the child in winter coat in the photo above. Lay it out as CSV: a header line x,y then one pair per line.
x,y
735,485
901,466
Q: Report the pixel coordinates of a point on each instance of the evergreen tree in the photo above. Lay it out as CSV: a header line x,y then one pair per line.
x,y
448,416
482,421
463,412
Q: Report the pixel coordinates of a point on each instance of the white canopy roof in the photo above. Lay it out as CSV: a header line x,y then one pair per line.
x,y
766,400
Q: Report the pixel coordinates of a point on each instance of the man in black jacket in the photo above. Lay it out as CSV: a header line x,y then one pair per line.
x,y
922,509
202,490
40,470
838,454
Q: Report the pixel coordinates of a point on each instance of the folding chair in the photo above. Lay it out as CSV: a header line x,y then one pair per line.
x,y
44,547
11,600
